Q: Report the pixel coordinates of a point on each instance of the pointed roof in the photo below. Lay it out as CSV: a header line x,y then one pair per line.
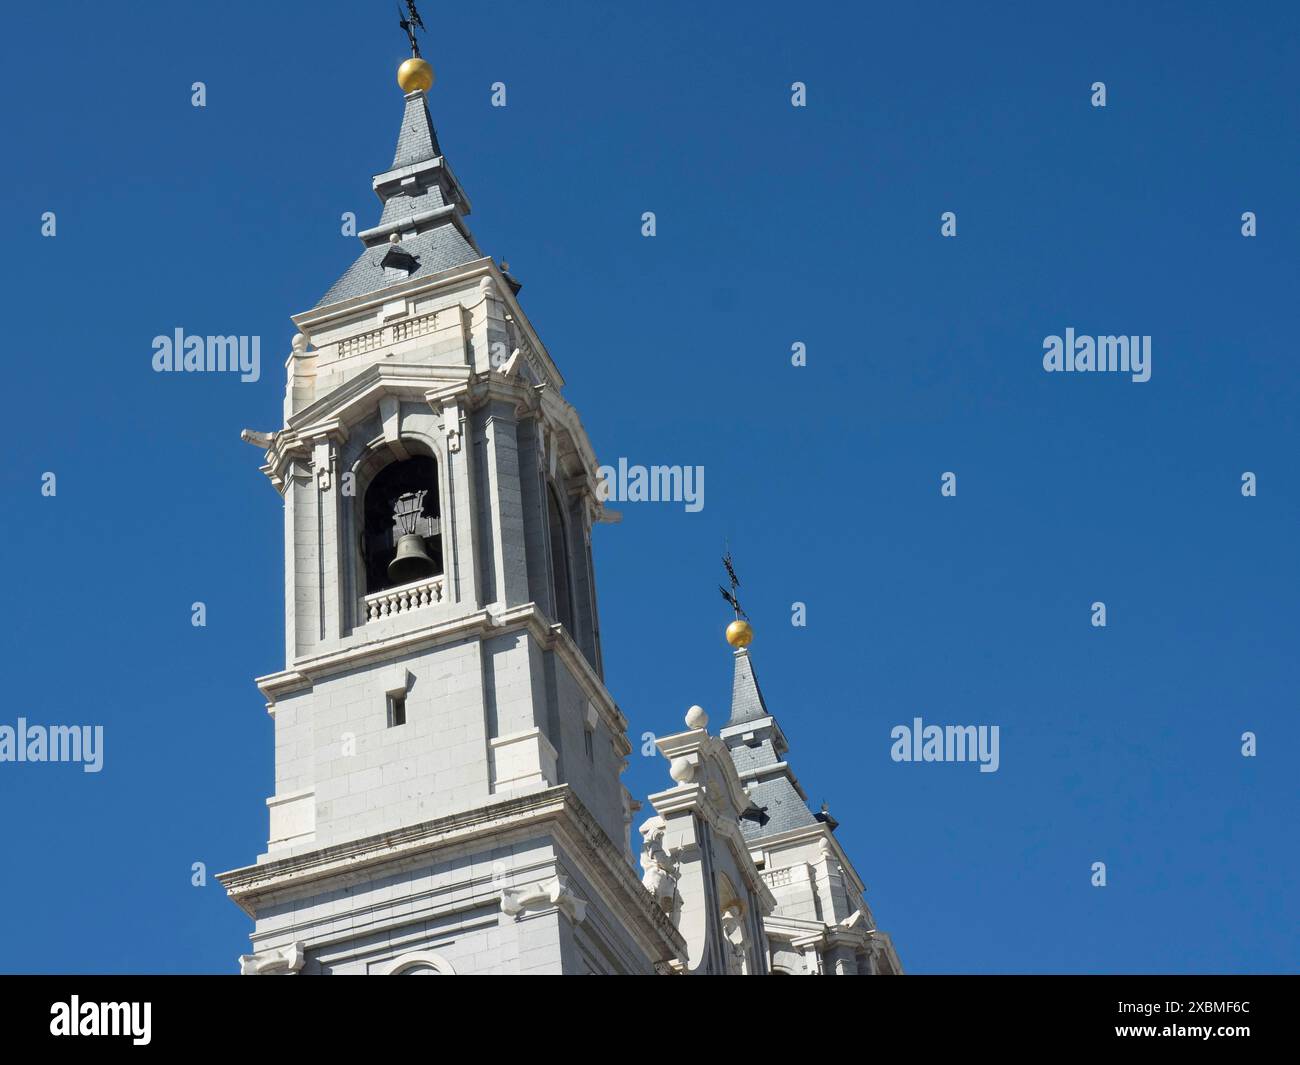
x,y
757,747
746,696
418,140
423,204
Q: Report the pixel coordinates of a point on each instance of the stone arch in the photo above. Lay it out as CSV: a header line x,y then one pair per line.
x,y
373,458
421,963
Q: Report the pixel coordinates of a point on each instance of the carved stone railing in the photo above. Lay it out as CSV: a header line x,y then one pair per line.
x,y
405,598
359,345
369,341
778,877
415,327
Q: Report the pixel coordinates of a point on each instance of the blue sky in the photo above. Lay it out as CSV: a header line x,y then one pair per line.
x,y
775,225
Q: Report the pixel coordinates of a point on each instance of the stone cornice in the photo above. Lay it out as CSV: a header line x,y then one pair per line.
x,y
329,416
773,769
832,936
249,883
429,283
747,728
561,412
329,429
398,175
361,392
286,449
332,413
376,235
807,929
555,808
604,861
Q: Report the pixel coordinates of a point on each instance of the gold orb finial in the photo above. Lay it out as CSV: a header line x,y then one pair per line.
x,y
740,633
415,75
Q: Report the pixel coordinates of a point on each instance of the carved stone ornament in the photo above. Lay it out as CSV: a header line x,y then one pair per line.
x,y
283,961
451,425
543,895
658,865
733,933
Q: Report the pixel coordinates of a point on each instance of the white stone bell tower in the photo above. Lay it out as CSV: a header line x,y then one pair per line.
x,y
447,758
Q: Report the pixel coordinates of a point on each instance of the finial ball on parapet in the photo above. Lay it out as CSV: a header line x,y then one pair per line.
x,y
696,717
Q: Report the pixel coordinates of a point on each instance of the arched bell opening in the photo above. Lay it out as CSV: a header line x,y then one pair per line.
x,y
401,535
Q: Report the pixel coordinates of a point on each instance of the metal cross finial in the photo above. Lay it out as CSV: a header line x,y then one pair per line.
x,y
730,596
410,23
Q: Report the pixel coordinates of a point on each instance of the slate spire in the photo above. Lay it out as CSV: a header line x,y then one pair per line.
x,y
424,206
417,141
758,747
755,741
746,697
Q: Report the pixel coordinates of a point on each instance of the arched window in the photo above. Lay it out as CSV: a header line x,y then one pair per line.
x,y
562,585
402,500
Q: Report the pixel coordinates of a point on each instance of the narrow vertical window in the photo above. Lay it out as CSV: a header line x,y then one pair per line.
x,y
396,710
560,586
591,749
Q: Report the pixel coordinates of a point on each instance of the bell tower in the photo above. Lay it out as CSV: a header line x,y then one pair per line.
x,y
447,792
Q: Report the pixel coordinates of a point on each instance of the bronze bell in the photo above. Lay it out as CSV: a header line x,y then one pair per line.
x,y
412,562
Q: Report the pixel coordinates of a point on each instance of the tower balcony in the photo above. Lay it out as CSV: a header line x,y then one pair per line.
x,y
429,591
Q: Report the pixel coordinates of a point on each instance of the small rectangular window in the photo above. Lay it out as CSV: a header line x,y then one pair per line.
x,y
396,710
591,750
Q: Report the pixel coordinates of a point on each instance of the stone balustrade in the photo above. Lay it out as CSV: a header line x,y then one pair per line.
x,y
404,598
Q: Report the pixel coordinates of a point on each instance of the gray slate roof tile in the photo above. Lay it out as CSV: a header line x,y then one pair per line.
x,y
438,248
746,699
435,249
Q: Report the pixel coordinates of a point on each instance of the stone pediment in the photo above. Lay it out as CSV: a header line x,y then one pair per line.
x,y
358,396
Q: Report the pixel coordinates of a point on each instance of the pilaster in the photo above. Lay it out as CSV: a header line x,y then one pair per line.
x,y
460,543
506,529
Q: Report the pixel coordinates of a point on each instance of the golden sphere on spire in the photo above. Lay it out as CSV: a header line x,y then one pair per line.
x,y
740,634
415,75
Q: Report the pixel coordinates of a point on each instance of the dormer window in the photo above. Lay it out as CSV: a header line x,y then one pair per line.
x,y
398,258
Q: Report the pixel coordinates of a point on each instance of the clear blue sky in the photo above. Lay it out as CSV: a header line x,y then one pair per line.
x,y
775,225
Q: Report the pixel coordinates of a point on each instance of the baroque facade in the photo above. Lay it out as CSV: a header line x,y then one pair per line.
x,y
447,757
